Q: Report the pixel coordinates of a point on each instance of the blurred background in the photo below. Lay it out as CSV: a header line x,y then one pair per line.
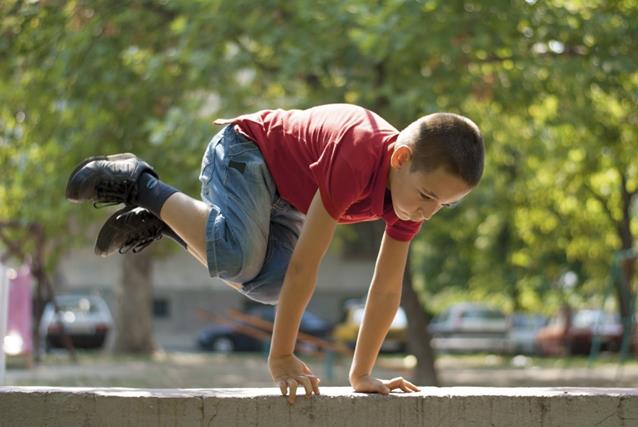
x,y
530,281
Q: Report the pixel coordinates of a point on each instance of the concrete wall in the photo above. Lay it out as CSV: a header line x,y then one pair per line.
x,y
81,268
186,285
564,407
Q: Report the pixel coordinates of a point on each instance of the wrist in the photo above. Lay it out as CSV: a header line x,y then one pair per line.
x,y
276,356
354,377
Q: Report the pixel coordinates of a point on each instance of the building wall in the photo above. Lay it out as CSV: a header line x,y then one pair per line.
x,y
182,287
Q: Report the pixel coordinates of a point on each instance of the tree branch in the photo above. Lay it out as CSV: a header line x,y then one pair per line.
x,y
14,248
603,202
253,56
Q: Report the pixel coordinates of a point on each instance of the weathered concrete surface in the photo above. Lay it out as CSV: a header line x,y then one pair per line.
x,y
337,406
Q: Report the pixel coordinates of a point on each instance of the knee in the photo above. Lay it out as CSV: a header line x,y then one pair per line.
x,y
266,286
236,261
265,293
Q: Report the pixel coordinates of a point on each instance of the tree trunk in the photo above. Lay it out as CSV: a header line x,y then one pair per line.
x,y
418,335
134,317
625,290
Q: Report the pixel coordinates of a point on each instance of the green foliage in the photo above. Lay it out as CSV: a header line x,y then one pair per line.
x,y
553,86
560,127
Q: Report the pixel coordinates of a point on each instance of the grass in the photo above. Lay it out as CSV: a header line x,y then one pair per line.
x,y
205,370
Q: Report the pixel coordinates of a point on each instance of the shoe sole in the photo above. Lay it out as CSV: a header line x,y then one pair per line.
x,y
103,240
69,193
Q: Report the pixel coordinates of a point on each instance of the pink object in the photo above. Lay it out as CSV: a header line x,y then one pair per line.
x,y
20,308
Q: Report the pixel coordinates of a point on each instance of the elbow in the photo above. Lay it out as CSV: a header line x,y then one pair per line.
x,y
296,269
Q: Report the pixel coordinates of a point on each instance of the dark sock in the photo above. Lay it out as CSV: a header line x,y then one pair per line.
x,y
173,235
152,193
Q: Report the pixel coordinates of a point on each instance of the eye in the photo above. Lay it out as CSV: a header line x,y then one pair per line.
x,y
425,196
451,205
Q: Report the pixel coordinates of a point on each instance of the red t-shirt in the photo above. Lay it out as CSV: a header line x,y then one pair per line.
x,y
344,150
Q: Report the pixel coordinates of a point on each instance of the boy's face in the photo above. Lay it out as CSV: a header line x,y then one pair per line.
x,y
417,196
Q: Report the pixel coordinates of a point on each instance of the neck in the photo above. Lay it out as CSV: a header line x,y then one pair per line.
x,y
390,177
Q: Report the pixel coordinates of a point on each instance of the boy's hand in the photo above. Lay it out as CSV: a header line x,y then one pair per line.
x,y
368,384
288,372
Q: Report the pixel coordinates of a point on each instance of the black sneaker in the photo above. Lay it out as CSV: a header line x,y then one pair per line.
x,y
129,229
107,180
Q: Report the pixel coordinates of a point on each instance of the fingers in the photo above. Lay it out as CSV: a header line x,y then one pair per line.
x,y
402,384
307,385
283,386
288,387
406,388
292,384
315,384
413,388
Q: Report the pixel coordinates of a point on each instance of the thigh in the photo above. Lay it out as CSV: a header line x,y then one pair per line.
x,y
285,228
237,184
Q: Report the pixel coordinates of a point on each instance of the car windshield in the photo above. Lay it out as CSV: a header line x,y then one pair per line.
x,y
442,318
528,321
78,305
483,313
588,318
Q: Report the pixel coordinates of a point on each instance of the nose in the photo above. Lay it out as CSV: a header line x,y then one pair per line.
x,y
427,211
421,216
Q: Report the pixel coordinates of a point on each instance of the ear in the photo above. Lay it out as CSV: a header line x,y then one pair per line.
x,y
400,156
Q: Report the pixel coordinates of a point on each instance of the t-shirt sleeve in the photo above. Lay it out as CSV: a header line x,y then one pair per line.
x,y
402,230
340,177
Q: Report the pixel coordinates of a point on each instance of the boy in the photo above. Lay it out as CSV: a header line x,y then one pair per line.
x,y
260,174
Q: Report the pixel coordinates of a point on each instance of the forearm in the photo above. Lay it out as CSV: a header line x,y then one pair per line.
x,y
301,276
380,310
295,294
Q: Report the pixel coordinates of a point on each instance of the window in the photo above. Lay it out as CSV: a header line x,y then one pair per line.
x,y
161,308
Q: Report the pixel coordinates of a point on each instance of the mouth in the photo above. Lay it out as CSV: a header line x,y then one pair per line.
x,y
404,216
414,218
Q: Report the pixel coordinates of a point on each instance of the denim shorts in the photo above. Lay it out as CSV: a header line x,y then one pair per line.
x,y
251,231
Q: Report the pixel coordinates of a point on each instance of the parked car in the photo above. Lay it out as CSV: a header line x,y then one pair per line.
x,y
523,331
86,319
470,327
229,337
561,337
347,331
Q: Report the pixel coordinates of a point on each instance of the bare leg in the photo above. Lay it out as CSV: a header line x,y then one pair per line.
x,y
197,256
188,218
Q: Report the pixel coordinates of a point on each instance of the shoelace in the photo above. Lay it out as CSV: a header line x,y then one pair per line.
x,y
139,242
115,192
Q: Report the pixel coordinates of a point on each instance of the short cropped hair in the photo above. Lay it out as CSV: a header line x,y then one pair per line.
x,y
446,140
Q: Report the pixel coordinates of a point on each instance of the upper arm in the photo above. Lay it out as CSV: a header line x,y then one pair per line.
x,y
390,266
315,238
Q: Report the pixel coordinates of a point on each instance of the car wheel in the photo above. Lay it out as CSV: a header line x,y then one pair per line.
x,y
223,345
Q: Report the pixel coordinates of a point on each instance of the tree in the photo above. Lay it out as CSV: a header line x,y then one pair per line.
x,y
551,84
78,80
558,84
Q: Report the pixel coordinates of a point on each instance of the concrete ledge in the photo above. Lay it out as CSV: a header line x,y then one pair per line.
x,y
337,406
